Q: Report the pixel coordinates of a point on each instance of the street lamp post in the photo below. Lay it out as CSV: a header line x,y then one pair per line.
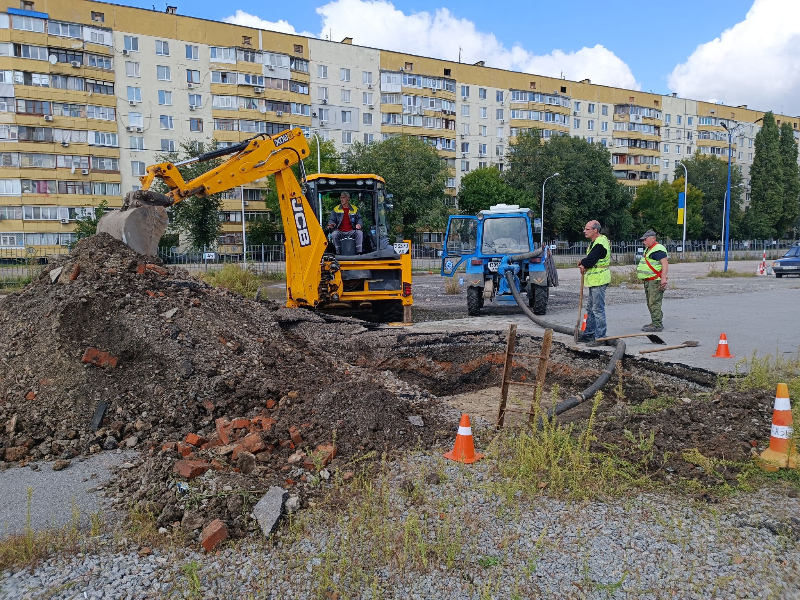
x,y
541,239
319,170
244,233
727,215
685,202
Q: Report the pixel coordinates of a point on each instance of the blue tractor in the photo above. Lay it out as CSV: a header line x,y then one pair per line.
x,y
498,240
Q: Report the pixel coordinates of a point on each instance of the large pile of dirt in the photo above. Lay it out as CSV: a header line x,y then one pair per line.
x,y
172,356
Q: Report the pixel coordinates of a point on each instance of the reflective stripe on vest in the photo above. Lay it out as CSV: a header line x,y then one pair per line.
x,y
654,270
600,273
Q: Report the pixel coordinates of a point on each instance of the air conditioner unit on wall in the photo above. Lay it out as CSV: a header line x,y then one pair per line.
x,y
271,67
84,171
129,128
65,144
126,52
258,90
132,102
48,117
279,113
75,63
324,100
246,203
139,130
64,221
192,107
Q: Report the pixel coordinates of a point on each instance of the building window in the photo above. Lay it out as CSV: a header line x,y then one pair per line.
x,y
163,73
165,122
322,72
298,49
131,43
465,128
137,142
347,137
465,91
576,123
667,119
196,100
167,146
367,118
196,125
345,95
680,118
366,77
367,97
192,52
247,40
137,168
604,126
590,124
135,119
481,93
499,96
482,130
192,76
164,98
464,166
666,148
98,17
578,107
690,122
501,114
369,138
604,110
162,48
591,108
344,74
465,110
346,116
134,94
322,93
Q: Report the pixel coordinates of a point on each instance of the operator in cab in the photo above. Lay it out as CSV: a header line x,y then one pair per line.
x,y
346,220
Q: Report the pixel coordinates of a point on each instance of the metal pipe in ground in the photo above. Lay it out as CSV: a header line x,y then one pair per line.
x,y
572,401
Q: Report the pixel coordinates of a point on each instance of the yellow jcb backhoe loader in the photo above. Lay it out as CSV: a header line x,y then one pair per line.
x,y
316,277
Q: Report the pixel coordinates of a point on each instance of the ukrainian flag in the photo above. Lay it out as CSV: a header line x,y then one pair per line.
x,y
681,207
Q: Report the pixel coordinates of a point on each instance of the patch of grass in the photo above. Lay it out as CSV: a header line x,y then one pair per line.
x,y
13,283
653,405
236,279
627,276
488,561
190,570
451,286
561,460
714,271
767,372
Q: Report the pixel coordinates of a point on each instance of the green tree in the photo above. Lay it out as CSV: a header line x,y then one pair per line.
x,y
483,188
791,181
414,173
87,225
766,182
586,188
656,207
198,218
329,157
710,175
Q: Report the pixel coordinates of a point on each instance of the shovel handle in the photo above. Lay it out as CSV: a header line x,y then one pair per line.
x,y
664,348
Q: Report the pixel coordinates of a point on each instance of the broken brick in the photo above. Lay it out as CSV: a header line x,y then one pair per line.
x,y
217,465
251,443
156,269
240,423
294,434
149,293
271,404
321,457
213,534
287,443
140,269
263,422
190,468
30,395
75,272
15,453
209,405
224,430
99,358
195,302
169,446
185,449
195,440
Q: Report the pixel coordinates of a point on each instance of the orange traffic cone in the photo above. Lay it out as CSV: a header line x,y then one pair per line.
x,y
780,453
722,348
583,323
464,450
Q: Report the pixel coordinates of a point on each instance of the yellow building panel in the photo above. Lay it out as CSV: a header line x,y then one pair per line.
x,y
395,109
28,37
224,89
227,136
714,143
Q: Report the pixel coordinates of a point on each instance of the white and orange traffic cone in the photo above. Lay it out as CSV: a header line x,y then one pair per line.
x,y
583,323
722,348
762,266
781,453
464,449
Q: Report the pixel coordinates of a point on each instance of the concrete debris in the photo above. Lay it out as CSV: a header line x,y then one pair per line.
x,y
269,509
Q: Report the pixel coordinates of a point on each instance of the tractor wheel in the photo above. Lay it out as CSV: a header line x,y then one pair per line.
x,y
474,300
387,311
541,294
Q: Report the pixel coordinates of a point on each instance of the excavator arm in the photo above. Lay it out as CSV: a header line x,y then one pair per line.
x,y
143,219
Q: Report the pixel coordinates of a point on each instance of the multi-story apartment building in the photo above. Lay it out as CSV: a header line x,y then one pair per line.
x,y
91,93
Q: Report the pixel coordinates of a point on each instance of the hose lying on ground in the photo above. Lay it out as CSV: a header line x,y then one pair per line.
x,y
577,399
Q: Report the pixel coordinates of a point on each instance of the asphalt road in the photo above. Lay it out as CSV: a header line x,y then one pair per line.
x,y
759,315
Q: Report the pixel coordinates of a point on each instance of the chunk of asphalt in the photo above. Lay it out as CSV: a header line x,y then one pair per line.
x,y
269,509
99,413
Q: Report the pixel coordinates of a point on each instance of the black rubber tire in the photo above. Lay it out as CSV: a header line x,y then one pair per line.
x,y
387,311
474,300
778,275
541,294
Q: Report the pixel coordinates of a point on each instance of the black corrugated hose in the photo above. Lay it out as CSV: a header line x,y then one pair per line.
x,y
619,351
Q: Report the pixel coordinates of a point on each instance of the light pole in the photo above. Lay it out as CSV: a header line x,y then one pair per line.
x,y
541,239
244,234
319,170
685,202
727,215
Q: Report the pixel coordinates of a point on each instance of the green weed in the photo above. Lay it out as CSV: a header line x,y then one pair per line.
x,y
190,570
714,271
627,276
654,405
236,279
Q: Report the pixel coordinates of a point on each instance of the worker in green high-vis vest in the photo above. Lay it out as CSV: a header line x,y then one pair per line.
x,y
596,277
652,271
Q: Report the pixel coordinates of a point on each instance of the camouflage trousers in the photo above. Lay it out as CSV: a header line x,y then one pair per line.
x,y
654,295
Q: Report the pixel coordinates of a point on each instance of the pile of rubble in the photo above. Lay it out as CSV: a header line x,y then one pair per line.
x,y
224,397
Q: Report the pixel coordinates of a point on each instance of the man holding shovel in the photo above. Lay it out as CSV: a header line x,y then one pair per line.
x,y
596,277
652,271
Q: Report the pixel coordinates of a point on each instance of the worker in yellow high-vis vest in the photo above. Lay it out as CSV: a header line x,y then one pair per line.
x,y
596,277
652,271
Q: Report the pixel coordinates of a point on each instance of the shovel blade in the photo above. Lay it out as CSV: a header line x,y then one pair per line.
x,y
655,339
140,228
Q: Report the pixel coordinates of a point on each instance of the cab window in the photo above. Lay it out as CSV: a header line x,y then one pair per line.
x,y
505,235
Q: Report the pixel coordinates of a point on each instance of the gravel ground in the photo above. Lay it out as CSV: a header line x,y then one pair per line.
x,y
644,546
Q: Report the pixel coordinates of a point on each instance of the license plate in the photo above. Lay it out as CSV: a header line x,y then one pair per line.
x,y
788,268
493,266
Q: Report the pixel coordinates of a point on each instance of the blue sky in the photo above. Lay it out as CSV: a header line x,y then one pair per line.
x,y
679,45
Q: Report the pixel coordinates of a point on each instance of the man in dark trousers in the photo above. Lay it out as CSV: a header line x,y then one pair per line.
x,y
345,218
596,277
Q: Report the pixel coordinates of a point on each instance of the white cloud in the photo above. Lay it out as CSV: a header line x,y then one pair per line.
x,y
378,24
755,62
241,17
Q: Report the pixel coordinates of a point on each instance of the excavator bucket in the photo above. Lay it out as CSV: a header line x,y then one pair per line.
x,y
141,222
